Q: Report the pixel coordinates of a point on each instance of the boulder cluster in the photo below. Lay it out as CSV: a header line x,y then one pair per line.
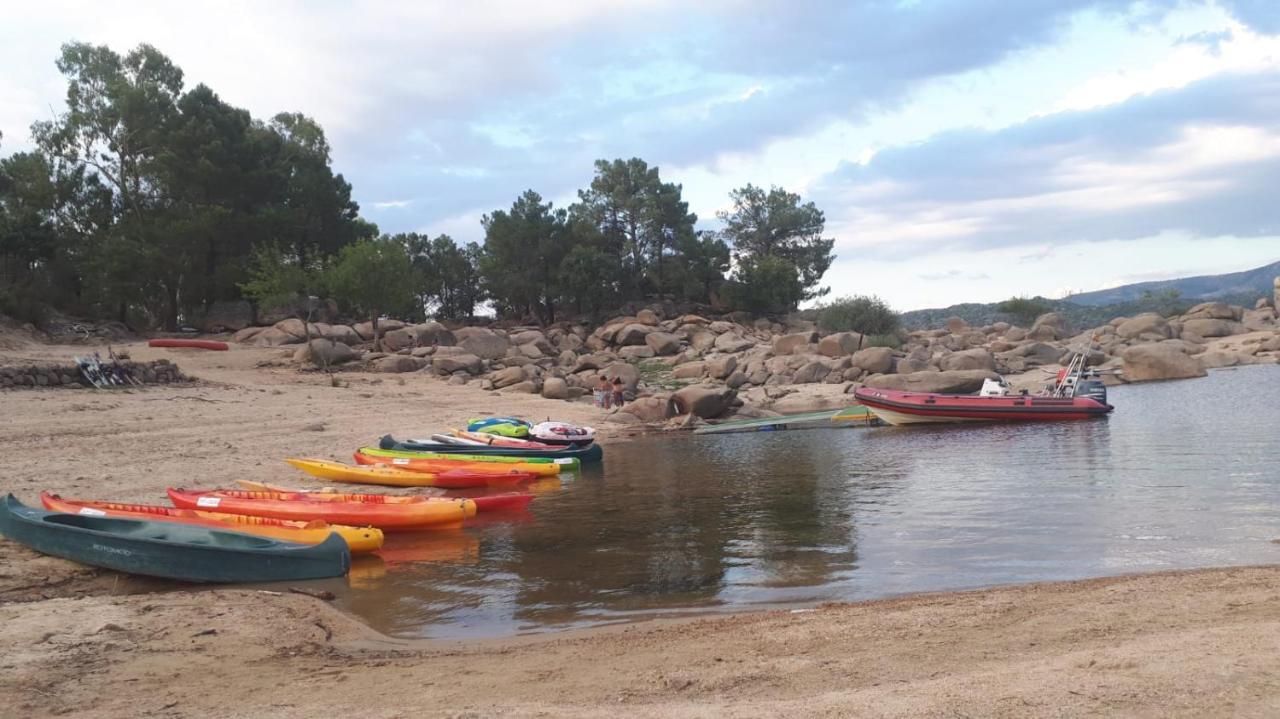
x,y
160,371
689,366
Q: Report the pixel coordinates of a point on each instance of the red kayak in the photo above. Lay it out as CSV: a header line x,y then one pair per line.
x,y
189,344
899,407
502,502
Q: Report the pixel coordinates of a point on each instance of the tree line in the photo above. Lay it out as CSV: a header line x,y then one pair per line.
x,y
148,202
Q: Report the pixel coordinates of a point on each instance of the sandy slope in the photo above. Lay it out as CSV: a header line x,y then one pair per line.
x,y
78,641
1198,644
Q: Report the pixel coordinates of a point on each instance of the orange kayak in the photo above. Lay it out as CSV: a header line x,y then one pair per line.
x,y
358,539
502,501
431,465
428,513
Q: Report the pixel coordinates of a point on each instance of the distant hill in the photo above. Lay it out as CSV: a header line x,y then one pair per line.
x,y
1091,309
1257,282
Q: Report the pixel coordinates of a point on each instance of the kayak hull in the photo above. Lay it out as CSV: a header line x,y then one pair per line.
x,y
170,550
189,344
585,455
392,476
422,462
359,539
386,516
899,407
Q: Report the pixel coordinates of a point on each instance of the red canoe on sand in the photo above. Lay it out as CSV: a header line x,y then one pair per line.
x,y
190,344
903,407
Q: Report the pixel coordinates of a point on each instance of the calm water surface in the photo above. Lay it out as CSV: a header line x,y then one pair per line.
x,y
1184,474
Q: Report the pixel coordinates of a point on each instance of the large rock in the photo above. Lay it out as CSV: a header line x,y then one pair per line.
x,y
1149,323
840,344
810,373
365,329
662,343
1159,361
482,342
507,376
274,337
952,382
344,334
917,360
1048,326
702,340
632,334
227,317
649,409
1038,353
704,402
293,326
978,358
1259,320
787,344
721,367
400,339
1215,359
324,353
1212,327
1211,311
430,334
555,388
733,342
874,360
647,317
448,364
598,360
399,363
690,370
628,373
247,334
632,353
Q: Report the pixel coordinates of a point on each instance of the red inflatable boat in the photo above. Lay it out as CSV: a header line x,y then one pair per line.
x,y
902,407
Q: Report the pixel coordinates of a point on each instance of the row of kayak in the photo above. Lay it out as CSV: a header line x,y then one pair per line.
x,y
265,533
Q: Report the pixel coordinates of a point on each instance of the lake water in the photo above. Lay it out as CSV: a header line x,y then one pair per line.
x,y
1183,474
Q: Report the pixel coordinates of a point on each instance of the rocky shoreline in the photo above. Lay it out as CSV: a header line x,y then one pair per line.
x,y
681,369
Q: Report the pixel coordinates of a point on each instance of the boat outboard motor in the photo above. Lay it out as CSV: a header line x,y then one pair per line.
x,y
1093,389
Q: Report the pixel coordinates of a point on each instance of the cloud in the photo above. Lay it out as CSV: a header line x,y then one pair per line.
x,y
1203,159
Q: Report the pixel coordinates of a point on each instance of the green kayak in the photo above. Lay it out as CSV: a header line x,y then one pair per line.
x,y
591,453
168,549
565,462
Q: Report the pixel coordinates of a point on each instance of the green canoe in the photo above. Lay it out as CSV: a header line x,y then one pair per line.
x,y
566,463
167,549
590,453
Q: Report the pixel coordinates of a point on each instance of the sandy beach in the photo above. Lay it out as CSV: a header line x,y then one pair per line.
x,y
84,642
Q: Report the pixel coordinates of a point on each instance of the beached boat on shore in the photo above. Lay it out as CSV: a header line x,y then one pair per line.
x,y
170,550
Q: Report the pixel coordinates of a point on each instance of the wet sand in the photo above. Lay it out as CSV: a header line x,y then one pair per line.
x,y
79,641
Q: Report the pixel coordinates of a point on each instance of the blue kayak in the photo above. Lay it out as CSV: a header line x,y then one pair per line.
x,y
171,550
585,455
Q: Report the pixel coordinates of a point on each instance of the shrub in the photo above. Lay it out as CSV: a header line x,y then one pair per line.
x,y
1024,310
868,315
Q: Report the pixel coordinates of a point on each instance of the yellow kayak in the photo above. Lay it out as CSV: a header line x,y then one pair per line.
x,y
396,477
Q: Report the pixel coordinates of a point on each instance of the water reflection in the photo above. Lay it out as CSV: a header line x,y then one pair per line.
x,y
678,524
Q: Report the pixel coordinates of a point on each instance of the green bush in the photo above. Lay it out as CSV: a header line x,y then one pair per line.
x,y
764,285
23,306
1024,310
868,315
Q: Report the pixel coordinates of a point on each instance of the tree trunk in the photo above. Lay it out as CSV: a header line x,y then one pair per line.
x,y
377,336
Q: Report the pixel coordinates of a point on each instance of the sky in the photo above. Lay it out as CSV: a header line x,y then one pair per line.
x,y
962,150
